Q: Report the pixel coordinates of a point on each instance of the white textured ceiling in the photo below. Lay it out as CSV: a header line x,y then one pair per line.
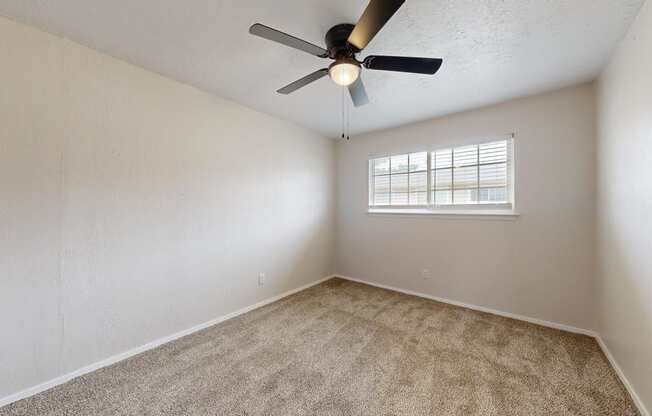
x,y
493,50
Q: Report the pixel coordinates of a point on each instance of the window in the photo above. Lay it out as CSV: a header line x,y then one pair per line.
x,y
475,176
400,180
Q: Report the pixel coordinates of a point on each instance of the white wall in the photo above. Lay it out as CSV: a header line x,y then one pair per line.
x,y
624,285
133,207
539,265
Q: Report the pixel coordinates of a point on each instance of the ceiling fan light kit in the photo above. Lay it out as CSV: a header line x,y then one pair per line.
x,y
343,42
344,72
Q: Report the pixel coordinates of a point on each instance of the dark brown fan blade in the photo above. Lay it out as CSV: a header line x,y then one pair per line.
x,y
403,64
287,40
303,81
358,93
373,19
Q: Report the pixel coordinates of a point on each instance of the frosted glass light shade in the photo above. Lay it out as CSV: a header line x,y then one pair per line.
x,y
344,73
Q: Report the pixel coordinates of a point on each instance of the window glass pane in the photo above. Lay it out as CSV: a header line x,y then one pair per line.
x,y
493,195
381,199
465,156
400,164
465,196
465,178
495,152
418,182
443,197
464,175
418,198
399,198
399,183
492,176
442,179
418,161
381,166
381,184
442,159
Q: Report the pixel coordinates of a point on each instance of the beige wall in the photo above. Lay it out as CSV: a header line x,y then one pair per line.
x,y
539,265
624,284
134,207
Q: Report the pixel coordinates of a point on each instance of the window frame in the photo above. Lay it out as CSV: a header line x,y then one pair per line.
x,y
507,208
372,176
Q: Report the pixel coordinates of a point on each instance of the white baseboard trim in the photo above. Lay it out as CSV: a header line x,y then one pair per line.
x,y
31,391
635,397
632,392
151,345
536,321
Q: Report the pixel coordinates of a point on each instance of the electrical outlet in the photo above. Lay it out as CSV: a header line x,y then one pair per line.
x,y
425,274
261,279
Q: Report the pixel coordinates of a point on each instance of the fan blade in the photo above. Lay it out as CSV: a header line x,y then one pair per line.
x,y
303,81
403,64
287,40
373,19
358,93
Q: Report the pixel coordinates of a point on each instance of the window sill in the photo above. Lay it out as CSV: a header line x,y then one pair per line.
x,y
488,213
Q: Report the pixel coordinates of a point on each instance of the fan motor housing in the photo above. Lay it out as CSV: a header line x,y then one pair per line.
x,y
336,41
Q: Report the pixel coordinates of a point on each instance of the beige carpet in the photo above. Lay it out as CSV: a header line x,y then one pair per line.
x,y
343,348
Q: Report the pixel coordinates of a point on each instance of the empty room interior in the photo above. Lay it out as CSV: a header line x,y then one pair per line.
x,y
300,207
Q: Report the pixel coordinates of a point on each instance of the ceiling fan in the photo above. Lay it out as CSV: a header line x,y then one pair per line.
x,y
344,41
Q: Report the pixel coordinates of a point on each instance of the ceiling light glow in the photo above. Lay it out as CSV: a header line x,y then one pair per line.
x,y
344,72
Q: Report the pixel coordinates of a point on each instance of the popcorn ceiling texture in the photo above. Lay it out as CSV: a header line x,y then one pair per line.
x,y
494,50
343,348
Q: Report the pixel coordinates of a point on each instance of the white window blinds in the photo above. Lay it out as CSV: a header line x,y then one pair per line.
x,y
400,180
479,174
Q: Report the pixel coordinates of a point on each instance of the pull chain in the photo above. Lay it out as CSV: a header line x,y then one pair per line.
x,y
348,120
346,115
343,122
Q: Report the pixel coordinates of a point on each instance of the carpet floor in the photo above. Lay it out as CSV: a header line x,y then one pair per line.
x,y
343,348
